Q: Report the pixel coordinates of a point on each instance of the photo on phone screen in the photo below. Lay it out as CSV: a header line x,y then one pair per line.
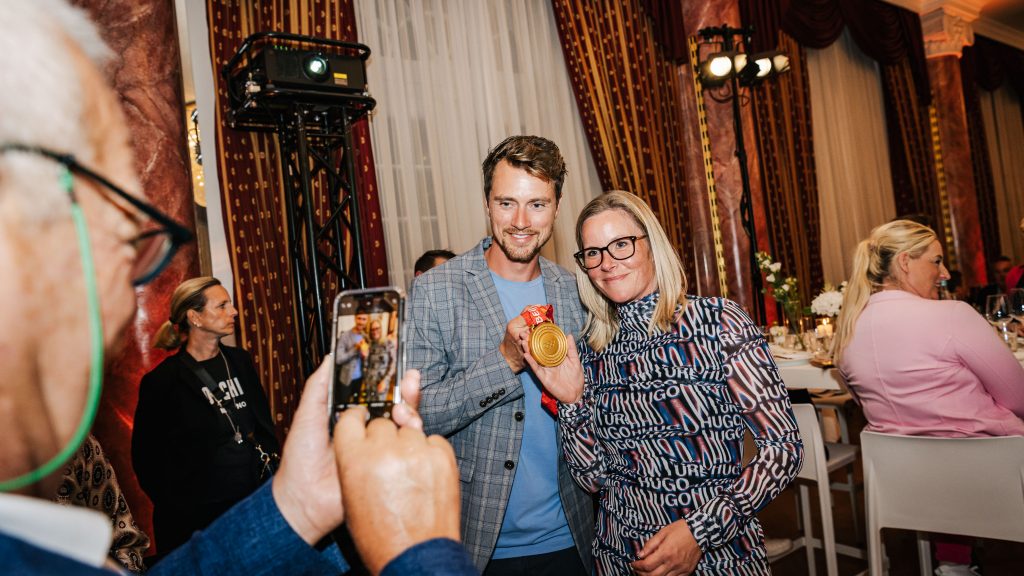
x,y
368,359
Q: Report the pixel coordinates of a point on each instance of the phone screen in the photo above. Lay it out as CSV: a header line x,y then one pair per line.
x,y
368,351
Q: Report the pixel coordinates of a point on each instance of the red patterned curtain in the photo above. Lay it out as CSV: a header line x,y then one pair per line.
x,y
629,100
782,119
986,65
782,113
891,36
911,154
254,204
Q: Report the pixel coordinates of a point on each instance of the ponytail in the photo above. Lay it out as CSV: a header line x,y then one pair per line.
x,y
872,267
189,295
858,290
167,337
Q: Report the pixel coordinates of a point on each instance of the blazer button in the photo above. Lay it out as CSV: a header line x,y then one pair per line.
x,y
495,396
501,391
519,416
483,403
509,464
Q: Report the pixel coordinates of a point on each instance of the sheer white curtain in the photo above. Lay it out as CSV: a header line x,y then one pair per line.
x,y
452,79
850,149
1004,133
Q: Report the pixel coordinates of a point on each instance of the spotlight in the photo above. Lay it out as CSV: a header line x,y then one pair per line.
x,y
780,62
718,68
766,65
739,62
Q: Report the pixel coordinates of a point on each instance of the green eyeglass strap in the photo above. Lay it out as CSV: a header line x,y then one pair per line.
x,y
95,339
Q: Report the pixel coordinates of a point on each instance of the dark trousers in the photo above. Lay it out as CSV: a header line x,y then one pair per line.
x,y
561,563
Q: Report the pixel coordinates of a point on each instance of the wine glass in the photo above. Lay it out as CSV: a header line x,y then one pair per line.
x,y
1016,304
997,310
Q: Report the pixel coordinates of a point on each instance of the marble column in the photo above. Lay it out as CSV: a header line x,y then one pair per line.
x,y
721,130
946,32
146,73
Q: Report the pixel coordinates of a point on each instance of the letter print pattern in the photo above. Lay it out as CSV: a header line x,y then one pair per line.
x,y
659,432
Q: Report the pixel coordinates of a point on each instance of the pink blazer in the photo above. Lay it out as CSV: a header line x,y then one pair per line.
x,y
932,368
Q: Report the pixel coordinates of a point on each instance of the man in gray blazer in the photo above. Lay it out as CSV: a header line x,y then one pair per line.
x,y
521,511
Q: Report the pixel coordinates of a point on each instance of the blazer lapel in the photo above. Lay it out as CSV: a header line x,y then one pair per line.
x,y
481,288
555,288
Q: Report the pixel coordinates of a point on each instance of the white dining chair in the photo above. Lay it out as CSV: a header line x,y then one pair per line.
x,y
836,404
816,469
968,486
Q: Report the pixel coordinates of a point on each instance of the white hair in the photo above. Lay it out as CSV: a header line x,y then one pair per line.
x,y
40,99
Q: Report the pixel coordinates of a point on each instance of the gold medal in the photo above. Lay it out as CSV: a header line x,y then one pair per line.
x,y
548,345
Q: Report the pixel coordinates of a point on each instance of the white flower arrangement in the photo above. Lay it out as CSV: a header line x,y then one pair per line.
x,y
829,301
782,288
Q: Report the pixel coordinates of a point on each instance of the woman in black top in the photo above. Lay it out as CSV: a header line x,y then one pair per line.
x,y
202,418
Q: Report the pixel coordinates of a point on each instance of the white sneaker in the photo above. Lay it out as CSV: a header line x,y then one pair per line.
x,y
947,569
777,546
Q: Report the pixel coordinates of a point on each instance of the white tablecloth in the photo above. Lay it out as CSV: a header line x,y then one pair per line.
x,y
803,376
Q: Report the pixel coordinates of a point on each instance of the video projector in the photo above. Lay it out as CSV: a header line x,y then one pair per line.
x,y
288,69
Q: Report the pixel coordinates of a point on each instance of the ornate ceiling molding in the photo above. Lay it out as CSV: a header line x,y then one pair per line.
x,y
946,33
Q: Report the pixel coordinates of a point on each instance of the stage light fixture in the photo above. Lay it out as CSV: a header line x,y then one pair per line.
x,y
726,72
718,68
780,62
766,65
739,62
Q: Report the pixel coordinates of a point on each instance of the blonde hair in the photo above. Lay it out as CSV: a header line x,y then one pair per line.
x,y
602,318
189,295
873,265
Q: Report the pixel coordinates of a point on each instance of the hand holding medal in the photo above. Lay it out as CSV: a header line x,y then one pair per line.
x,y
552,357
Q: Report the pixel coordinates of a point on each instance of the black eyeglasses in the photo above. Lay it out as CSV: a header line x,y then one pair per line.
x,y
155,247
619,249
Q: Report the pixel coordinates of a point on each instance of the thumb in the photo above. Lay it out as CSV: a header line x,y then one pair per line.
x,y
411,389
313,402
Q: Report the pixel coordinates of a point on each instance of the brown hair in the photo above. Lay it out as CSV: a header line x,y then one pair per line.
x,y
189,295
538,156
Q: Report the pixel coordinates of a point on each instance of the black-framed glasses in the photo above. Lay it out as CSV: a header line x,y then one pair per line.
x,y
619,249
155,246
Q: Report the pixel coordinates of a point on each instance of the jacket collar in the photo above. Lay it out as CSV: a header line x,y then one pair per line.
x,y
80,534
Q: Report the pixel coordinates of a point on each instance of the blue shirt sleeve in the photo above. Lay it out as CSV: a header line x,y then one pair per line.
x,y
437,557
251,539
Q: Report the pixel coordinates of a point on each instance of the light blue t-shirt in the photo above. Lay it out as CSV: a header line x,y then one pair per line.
x,y
534,520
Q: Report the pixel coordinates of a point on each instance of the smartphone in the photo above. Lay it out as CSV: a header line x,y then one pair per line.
x,y
369,356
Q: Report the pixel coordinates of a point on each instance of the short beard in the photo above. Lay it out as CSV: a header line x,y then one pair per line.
x,y
523,256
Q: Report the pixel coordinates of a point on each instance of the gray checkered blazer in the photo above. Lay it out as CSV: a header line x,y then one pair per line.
x,y
471,396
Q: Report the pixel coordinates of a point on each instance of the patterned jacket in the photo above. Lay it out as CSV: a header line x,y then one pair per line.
x,y
659,434
471,396
90,482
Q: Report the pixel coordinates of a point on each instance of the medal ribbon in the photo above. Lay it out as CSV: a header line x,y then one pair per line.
x,y
536,314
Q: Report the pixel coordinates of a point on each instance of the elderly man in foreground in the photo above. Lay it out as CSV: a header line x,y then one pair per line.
x,y
71,250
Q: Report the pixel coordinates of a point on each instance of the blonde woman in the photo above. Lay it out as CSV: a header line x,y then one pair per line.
x,y
919,365
197,439
654,406
381,361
